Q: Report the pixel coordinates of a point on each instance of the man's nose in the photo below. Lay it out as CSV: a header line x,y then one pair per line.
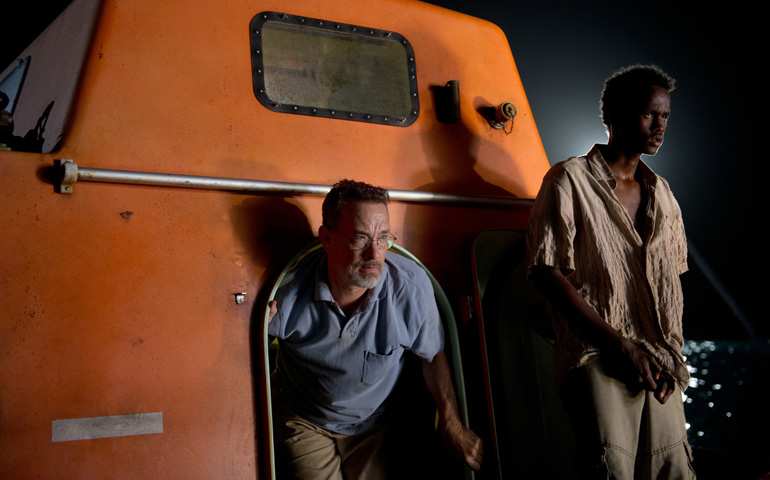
x,y
659,124
372,251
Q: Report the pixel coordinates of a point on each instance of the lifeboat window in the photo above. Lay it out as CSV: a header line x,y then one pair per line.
x,y
329,69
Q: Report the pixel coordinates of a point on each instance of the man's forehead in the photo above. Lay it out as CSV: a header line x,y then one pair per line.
x,y
654,96
360,215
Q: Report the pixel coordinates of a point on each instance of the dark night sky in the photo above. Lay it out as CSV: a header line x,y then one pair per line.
x,y
564,50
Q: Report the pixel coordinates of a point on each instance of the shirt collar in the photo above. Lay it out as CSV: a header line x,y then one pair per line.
x,y
322,290
601,170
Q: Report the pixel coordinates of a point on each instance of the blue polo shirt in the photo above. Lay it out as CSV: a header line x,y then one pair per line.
x,y
337,371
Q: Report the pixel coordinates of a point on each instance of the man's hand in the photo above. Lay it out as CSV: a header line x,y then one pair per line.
x,y
273,310
461,441
636,365
641,366
648,372
665,388
464,444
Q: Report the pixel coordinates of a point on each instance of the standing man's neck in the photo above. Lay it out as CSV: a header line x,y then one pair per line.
x,y
622,163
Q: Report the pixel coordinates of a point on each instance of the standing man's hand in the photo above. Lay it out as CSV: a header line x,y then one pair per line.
x,y
636,366
665,388
647,371
464,444
642,367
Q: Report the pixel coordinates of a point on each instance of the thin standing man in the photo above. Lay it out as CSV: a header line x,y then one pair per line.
x,y
606,245
345,322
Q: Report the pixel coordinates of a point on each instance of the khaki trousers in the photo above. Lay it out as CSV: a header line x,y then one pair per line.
x,y
304,450
625,434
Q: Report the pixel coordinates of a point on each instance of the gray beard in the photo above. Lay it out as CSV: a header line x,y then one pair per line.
x,y
363,280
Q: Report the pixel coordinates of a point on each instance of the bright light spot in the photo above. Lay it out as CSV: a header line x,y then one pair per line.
x,y
729,414
691,369
717,386
700,434
693,382
687,426
711,404
705,371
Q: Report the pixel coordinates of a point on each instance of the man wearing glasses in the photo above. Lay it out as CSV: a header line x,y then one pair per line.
x,y
344,322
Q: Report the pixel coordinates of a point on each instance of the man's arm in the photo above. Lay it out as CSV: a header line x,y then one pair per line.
x,y
461,440
572,305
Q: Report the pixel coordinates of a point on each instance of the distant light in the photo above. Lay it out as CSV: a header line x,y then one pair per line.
x,y
711,404
700,434
693,382
729,414
687,426
716,386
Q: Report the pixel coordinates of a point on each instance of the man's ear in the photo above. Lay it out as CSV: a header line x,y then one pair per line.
x,y
324,236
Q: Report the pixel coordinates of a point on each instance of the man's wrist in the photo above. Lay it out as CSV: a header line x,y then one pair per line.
x,y
451,424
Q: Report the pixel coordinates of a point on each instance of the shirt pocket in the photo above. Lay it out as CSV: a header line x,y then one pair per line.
x,y
376,365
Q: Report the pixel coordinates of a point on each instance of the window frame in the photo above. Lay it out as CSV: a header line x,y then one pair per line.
x,y
258,69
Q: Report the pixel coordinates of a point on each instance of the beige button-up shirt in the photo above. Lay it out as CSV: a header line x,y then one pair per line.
x,y
579,226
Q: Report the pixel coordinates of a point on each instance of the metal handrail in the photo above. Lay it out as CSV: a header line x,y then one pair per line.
x,y
71,173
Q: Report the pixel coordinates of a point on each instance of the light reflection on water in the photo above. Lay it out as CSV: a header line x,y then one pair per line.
x,y
726,402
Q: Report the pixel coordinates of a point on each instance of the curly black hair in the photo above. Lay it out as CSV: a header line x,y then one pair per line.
x,y
622,90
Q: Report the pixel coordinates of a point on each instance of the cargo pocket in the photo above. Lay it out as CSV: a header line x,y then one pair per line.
x,y
377,365
689,458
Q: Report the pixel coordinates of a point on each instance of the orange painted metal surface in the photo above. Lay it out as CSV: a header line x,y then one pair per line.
x,y
119,299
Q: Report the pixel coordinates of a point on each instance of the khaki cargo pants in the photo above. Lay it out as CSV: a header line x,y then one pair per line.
x,y
624,434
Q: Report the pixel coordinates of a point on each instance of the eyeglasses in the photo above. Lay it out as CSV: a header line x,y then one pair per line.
x,y
361,242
